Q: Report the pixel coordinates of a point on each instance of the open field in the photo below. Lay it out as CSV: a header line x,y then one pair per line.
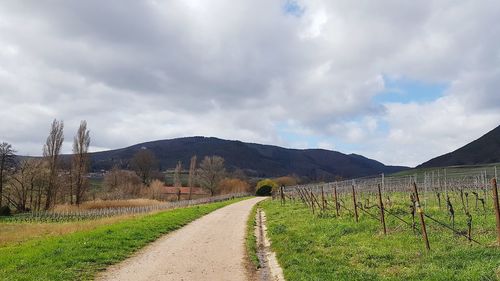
x,y
81,254
10,231
326,247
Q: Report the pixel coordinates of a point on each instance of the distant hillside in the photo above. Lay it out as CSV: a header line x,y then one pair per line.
x,y
255,159
484,150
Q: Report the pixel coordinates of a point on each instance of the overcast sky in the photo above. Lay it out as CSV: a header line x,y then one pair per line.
x,y
397,81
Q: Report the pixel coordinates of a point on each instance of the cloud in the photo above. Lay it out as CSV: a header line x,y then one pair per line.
x,y
138,71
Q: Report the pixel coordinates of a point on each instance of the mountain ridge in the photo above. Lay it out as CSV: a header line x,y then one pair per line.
x,y
484,150
256,160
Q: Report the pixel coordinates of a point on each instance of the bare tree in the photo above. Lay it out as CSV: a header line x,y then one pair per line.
x,y
21,189
121,184
37,182
144,163
66,180
7,161
211,172
51,153
192,175
177,174
80,161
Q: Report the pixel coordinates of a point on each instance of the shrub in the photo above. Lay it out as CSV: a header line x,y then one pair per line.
x,y
233,185
264,190
287,181
265,187
5,211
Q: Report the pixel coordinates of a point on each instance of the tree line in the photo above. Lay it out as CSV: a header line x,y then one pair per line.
x,y
39,183
29,183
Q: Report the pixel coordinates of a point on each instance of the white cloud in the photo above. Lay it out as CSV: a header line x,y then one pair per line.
x,y
240,69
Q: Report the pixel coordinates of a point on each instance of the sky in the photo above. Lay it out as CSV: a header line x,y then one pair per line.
x,y
397,81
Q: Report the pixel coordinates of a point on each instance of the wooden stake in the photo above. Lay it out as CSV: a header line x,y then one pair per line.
x,y
421,213
323,201
316,200
308,199
335,198
381,206
282,194
300,195
355,205
312,202
496,207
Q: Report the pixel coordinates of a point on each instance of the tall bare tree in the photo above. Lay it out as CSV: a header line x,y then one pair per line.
x,y
192,175
80,161
177,174
51,153
7,161
211,172
144,163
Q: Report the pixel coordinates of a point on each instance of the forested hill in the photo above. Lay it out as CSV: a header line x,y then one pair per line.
x,y
484,150
255,159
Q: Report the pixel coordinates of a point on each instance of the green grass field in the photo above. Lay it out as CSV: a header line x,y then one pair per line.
x,y
80,255
325,247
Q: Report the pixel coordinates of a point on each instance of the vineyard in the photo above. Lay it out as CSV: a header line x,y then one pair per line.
x,y
462,202
64,216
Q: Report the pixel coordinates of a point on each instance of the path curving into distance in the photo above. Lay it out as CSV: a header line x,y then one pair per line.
x,y
210,248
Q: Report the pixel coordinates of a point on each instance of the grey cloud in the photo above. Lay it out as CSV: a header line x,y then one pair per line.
x,y
140,70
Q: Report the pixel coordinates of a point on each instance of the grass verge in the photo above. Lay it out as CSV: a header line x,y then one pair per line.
x,y
324,247
251,240
80,255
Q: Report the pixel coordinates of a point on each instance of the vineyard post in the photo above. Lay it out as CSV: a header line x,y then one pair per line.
x,y
445,184
304,195
496,206
354,201
316,200
300,195
426,180
282,195
439,181
335,199
381,206
312,201
483,180
323,198
421,213
383,182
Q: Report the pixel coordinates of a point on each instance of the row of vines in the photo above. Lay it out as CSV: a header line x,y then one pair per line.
x,y
462,202
50,216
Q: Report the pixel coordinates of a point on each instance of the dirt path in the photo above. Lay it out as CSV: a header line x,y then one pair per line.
x,y
210,248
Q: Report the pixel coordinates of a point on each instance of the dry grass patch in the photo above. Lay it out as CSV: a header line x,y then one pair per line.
x,y
103,204
11,233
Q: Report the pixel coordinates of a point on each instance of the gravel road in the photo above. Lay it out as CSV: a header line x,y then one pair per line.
x,y
210,248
